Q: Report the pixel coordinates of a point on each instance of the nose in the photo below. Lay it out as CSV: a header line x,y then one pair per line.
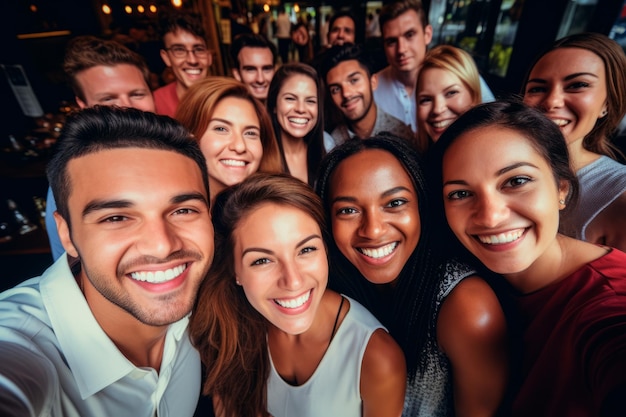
x,y
439,105
290,278
402,44
299,107
259,77
553,99
237,143
372,225
124,101
491,210
158,238
191,57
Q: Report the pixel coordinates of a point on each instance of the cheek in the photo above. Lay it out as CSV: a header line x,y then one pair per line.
x,y
256,150
211,147
342,234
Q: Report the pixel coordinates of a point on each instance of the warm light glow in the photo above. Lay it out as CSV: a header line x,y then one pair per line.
x,y
266,7
153,8
141,9
128,9
296,8
177,3
33,8
106,9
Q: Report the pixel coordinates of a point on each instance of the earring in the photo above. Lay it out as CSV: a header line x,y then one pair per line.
x,y
562,202
237,282
604,112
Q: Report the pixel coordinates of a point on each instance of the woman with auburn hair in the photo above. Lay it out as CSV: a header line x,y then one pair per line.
x,y
233,128
294,103
272,338
448,85
580,84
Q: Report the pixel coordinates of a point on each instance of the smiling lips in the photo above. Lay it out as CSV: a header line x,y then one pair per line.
x,y
298,120
501,238
158,277
233,163
294,302
380,252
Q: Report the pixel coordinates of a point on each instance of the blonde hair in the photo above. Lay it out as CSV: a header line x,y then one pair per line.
x,y
459,63
199,102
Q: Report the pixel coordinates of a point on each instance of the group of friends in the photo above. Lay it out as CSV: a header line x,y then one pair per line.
x,y
322,239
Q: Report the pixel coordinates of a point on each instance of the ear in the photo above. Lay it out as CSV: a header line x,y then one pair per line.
x,y
166,58
64,235
80,103
236,74
563,191
374,81
428,34
604,111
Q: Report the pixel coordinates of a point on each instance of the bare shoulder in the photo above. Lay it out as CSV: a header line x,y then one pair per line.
x,y
382,356
609,226
471,312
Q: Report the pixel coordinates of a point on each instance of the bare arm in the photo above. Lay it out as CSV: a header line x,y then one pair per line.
x,y
471,330
383,377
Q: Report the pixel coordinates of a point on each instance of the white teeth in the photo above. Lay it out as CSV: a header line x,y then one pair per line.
x,y
233,162
294,303
194,71
560,122
501,238
379,252
442,124
298,120
157,277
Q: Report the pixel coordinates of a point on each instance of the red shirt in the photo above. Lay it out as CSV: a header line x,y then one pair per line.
x,y
166,100
574,341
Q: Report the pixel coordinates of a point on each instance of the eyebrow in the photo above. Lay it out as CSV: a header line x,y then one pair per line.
x,y
386,193
498,172
229,123
567,78
271,252
97,205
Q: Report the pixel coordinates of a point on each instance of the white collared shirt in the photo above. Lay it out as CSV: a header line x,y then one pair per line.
x,y
48,331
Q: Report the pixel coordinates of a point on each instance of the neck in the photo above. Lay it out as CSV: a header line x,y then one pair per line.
x,y
579,156
181,89
407,78
292,145
140,343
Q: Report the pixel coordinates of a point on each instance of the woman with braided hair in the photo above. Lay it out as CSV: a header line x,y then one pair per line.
x,y
447,320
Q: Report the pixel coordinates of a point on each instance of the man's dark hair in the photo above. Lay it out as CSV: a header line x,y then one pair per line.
x,y
189,22
85,52
250,40
340,53
104,128
341,13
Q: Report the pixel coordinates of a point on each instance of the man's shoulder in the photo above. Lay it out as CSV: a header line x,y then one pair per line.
x,y
165,91
385,122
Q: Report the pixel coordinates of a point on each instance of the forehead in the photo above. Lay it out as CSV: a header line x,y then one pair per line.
x,y
343,22
133,174
245,110
344,69
359,172
494,146
406,21
439,77
104,78
182,37
570,60
253,55
299,82
270,220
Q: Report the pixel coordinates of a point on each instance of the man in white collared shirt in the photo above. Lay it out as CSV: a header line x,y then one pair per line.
x,y
107,335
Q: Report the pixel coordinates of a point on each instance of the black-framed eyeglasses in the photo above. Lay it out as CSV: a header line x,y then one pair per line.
x,y
181,52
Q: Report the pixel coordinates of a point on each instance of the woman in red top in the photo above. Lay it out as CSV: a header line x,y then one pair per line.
x,y
504,174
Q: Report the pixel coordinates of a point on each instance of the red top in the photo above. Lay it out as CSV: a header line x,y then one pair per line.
x,y
166,99
574,341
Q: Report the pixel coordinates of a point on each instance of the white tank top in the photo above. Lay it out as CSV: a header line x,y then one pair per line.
x,y
334,387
